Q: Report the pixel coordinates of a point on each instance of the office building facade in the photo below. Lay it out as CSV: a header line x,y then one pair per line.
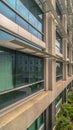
x,y
36,62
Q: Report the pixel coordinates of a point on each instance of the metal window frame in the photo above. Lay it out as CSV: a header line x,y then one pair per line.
x,y
18,88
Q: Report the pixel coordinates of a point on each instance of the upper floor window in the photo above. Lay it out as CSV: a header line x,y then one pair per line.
x,y
68,69
59,69
67,51
58,42
58,11
28,15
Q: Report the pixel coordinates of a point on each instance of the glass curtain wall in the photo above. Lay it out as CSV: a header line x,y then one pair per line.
x,y
25,13
16,71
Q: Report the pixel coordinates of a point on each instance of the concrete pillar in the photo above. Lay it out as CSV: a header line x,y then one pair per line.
x,y
70,58
65,58
51,50
70,36
50,64
54,3
70,70
46,61
64,22
65,42
65,71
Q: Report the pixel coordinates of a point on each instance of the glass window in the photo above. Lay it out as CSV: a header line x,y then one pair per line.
x,y
6,70
32,127
58,11
37,123
22,8
5,36
33,19
40,69
12,97
16,70
67,51
31,70
58,98
22,72
22,23
58,71
30,14
12,2
33,31
40,36
40,121
7,11
58,43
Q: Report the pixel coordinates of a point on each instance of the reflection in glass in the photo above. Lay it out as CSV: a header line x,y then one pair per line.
x,y
31,17
58,71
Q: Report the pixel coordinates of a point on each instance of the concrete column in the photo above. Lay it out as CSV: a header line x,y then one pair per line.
x,y
53,3
65,58
51,50
65,71
65,48
65,42
46,61
64,22
70,70
70,58
70,55
70,36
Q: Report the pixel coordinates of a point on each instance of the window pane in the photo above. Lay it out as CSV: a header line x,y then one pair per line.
x,y
12,97
31,70
58,71
39,121
22,8
22,72
21,22
7,12
5,36
6,78
58,43
29,10
33,31
12,2
32,127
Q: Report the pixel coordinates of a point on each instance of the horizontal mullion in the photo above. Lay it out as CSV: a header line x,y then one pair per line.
x,y
18,88
22,16
59,76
